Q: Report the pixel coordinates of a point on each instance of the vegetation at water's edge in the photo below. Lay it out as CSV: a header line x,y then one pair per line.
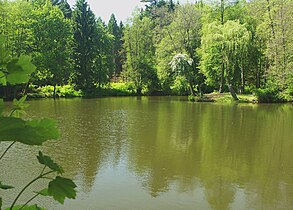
x,y
16,130
164,49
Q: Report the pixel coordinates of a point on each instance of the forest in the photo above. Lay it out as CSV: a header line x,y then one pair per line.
x,y
167,48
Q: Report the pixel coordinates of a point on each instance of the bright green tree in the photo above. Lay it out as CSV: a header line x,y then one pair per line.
x,y
52,42
228,42
182,36
140,53
277,27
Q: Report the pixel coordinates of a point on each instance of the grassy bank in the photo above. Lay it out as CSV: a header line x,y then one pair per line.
x,y
224,98
127,89
262,96
69,91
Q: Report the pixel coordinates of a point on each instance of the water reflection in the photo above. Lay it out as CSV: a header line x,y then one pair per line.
x,y
168,153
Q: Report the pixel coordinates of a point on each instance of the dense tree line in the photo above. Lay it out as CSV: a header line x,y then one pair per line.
x,y
165,48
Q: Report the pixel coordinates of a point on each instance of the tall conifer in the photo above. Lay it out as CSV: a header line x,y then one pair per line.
x,y
84,50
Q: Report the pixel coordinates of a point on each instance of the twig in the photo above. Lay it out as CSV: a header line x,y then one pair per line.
x,y
7,149
29,200
30,183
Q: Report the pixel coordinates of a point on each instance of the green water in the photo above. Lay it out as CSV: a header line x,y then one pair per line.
x,y
165,153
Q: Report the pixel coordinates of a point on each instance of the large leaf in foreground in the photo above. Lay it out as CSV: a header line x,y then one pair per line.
x,y
61,188
47,161
19,70
33,132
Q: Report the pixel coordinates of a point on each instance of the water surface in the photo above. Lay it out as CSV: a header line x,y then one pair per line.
x,y
164,153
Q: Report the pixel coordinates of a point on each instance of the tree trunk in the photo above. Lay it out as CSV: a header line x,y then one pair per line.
x,y
222,77
138,91
192,92
222,11
54,92
242,79
231,90
233,93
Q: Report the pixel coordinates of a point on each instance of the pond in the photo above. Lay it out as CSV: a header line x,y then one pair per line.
x,y
164,153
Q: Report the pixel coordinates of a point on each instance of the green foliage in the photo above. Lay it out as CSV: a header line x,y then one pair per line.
x,y
52,56
31,132
19,70
181,65
182,35
47,161
103,64
140,53
269,95
19,107
61,188
238,45
116,32
180,86
66,91
123,88
84,31
14,70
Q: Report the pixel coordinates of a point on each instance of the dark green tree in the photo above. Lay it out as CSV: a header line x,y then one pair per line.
x,y
104,60
116,32
171,6
84,29
65,8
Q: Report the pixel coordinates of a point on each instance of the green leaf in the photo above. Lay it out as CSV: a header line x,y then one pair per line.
x,y
47,161
2,78
33,207
61,188
19,106
0,203
46,128
33,132
19,70
44,192
5,187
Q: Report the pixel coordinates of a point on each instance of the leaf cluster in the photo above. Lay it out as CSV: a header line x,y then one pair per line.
x,y
30,132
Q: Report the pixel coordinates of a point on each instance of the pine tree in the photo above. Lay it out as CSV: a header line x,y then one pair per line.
x,y
85,50
65,8
171,6
103,62
115,31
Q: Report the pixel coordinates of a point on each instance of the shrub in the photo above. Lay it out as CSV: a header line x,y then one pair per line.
x,y
47,91
68,91
269,95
